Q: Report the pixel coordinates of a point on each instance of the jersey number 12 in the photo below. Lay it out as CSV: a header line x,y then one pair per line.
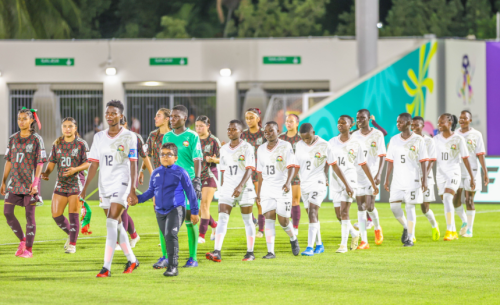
x,y
109,160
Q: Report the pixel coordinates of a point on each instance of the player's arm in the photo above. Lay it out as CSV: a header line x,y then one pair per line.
x,y
221,178
34,185
6,172
288,183
423,165
464,153
259,186
340,173
430,164
239,188
327,176
92,171
73,170
146,162
485,169
376,125
390,166
370,177
380,169
148,194
48,170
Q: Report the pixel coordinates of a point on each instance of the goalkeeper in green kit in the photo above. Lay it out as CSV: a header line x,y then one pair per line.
x,y
190,158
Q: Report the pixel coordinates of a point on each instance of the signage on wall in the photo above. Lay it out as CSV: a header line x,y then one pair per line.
x,y
168,61
68,62
281,60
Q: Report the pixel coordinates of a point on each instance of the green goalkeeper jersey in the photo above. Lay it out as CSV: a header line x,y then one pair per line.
x,y
188,149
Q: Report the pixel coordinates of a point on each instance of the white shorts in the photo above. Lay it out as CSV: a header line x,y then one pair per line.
x,y
120,198
246,198
429,194
338,197
465,184
314,197
447,183
407,196
283,205
364,191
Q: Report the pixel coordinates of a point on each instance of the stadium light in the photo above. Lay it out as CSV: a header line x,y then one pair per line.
x,y
0,73
110,71
151,84
380,25
225,72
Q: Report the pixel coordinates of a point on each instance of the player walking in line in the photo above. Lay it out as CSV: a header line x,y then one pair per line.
x,y
417,126
114,152
24,158
276,169
190,158
349,154
153,147
255,136
170,184
69,152
475,145
292,136
407,155
450,146
237,161
374,151
312,154
210,146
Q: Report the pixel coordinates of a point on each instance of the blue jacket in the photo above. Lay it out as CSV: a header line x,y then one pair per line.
x,y
167,185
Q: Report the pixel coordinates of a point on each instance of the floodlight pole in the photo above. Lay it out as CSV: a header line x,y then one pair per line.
x,y
498,26
367,35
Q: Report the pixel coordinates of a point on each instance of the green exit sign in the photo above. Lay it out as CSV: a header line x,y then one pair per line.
x,y
168,61
281,60
55,62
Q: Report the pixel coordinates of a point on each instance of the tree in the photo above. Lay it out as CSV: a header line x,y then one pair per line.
x,y
91,11
479,19
49,19
347,23
172,28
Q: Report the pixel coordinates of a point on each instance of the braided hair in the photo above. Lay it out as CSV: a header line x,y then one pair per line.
x,y
31,116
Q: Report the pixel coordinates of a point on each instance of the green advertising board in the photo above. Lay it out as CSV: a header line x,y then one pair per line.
x,y
168,61
281,60
46,61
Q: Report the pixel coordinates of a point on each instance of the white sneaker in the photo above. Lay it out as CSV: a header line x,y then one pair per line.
x,y
355,225
66,244
259,234
296,231
369,225
467,234
118,247
71,249
212,236
39,203
201,240
342,249
463,229
134,241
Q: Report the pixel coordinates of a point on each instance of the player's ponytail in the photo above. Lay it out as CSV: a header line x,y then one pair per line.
x,y
453,119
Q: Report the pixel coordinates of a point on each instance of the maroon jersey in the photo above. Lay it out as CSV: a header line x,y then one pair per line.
x,y
210,147
293,140
256,139
24,154
153,145
142,149
65,155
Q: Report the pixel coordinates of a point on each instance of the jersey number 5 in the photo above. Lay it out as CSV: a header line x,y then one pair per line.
x,y
109,160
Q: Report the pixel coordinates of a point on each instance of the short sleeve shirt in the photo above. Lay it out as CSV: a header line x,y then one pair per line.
x,y
450,152
65,155
274,164
348,155
311,160
374,148
153,145
188,149
234,161
475,146
210,146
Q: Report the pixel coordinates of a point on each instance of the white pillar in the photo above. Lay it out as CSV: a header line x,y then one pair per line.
x,y
4,115
112,90
226,105
367,35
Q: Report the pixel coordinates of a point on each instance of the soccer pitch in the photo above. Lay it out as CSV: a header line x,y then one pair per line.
x,y
432,272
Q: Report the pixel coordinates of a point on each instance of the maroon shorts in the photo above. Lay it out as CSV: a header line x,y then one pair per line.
x,y
296,181
255,178
210,181
20,199
66,194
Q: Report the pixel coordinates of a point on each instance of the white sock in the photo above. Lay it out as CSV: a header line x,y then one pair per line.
x,y
270,231
220,231
362,225
375,219
111,238
318,236
345,232
448,212
311,237
399,214
290,231
432,219
412,220
250,230
125,243
461,213
470,220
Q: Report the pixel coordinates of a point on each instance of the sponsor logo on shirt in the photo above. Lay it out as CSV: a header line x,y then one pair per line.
x,y
185,143
123,183
29,148
157,175
279,159
58,151
121,148
241,158
175,229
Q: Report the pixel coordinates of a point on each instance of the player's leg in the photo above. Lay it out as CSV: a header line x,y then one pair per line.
x,y
261,218
13,223
74,223
207,194
449,214
296,206
360,198
246,214
426,210
412,198
471,212
284,209
373,213
345,226
192,231
221,230
269,206
459,207
59,203
395,200
173,223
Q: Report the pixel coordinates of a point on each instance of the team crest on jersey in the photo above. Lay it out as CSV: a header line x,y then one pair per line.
x,y
74,152
471,145
121,148
241,158
279,159
185,143
317,155
374,144
453,147
29,148
258,141
371,143
413,148
208,148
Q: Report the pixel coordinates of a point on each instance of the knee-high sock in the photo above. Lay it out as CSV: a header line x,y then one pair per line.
x,y
213,223
111,239
353,231
192,231
362,225
220,231
163,245
470,220
125,218
62,223
204,227
448,212
432,219
131,228
289,231
261,222
318,235
15,226
296,216
313,232
270,234
345,232
375,219
30,226
399,214
461,213
125,244
250,231
412,220
74,228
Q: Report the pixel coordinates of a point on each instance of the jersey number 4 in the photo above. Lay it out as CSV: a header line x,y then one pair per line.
x,y
109,160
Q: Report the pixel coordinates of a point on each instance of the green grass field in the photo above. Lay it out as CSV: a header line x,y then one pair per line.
x,y
467,270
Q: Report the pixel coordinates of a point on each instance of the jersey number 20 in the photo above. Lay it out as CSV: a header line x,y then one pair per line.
x,y
65,162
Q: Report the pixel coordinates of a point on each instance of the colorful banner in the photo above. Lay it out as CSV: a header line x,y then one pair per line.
x,y
493,96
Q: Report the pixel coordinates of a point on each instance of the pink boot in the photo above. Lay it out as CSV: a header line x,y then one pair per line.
x,y
21,248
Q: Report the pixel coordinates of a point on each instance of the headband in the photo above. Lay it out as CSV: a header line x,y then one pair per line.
x,y
35,116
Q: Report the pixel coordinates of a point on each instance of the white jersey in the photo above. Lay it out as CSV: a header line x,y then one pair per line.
x,y
311,160
448,151
273,165
431,156
234,162
349,156
374,148
475,146
114,156
406,155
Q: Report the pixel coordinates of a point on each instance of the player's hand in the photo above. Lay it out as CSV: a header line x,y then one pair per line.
x,y
237,191
82,193
223,143
424,186
386,186
33,189
195,219
44,176
141,178
377,179
132,199
472,184
287,187
2,189
486,179
372,117
197,187
327,183
349,191
257,200
70,171
375,190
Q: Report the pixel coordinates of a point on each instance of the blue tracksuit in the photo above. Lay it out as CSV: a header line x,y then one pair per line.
x,y
168,185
